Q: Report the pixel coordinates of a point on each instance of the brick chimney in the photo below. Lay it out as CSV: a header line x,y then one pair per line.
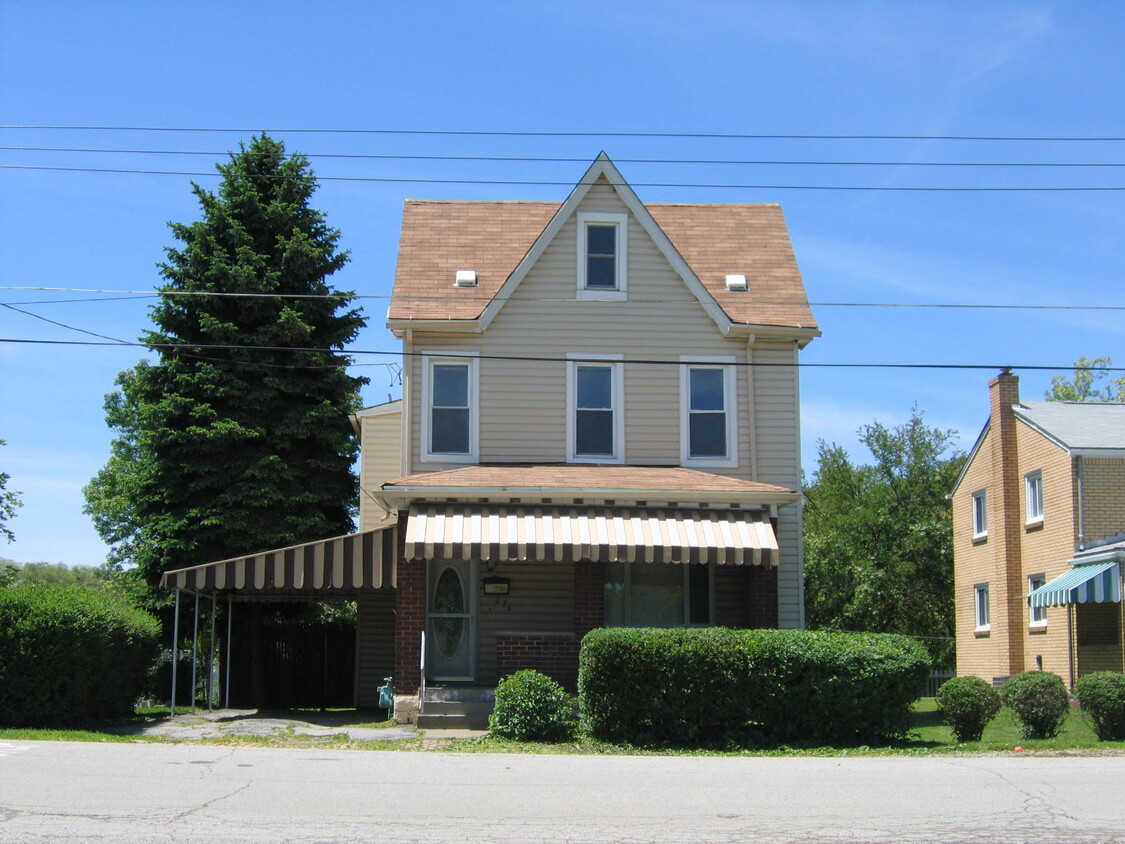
x,y
1004,523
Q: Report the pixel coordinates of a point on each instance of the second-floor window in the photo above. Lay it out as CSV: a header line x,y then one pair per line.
x,y
595,415
980,514
708,421
1033,487
449,389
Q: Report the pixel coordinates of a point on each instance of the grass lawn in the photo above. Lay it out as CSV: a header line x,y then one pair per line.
x,y
928,736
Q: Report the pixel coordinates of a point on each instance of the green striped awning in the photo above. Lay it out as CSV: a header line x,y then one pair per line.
x,y
1098,583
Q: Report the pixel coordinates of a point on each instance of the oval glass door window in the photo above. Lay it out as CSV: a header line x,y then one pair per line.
x,y
449,597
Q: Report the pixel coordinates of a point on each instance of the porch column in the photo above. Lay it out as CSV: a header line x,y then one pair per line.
x,y
410,621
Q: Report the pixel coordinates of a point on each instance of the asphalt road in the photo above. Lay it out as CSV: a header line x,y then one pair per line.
x,y
126,793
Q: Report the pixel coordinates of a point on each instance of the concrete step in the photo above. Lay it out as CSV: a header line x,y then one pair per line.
x,y
458,707
463,694
439,721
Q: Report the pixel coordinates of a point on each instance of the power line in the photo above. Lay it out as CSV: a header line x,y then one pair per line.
x,y
130,294
570,183
564,160
549,359
574,134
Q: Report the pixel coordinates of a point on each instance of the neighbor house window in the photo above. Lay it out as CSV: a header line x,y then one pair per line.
x,y
980,514
707,420
983,619
1033,487
602,253
658,595
449,387
1038,615
595,416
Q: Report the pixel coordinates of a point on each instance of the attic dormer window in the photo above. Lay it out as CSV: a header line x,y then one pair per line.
x,y
602,248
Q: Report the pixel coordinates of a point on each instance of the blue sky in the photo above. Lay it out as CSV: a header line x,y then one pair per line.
x,y
997,69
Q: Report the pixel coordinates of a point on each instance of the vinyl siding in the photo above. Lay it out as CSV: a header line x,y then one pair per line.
x,y
375,649
381,461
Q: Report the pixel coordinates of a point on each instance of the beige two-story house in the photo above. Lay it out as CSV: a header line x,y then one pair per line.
x,y
1039,539
599,426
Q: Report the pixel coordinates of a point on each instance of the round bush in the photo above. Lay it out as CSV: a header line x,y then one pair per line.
x,y
531,707
967,704
70,655
1102,696
1039,700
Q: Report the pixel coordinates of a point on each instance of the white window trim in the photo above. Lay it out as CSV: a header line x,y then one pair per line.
x,y
1030,480
980,529
1034,581
621,269
730,397
985,624
627,607
616,364
429,359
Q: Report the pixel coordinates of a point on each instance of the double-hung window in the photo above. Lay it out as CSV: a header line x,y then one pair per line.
x,y
449,423
708,420
984,622
595,414
658,595
1037,615
602,255
980,514
1033,488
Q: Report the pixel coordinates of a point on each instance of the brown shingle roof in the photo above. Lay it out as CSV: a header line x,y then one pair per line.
x,y
438,238
583,478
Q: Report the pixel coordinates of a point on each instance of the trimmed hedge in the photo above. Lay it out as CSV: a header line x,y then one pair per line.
x,y
1102,697
700,686
70,655
967,704
1039,700
530,706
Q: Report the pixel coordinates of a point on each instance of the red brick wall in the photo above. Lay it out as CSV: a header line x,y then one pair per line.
x,y
410,620
761,596
745,596
553,654
589,598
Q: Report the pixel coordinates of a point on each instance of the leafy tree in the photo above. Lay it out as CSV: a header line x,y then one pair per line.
x,y
878,537
9,502
236,438
1083,386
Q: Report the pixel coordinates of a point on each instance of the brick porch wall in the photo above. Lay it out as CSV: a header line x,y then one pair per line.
x,y
553,654
410,621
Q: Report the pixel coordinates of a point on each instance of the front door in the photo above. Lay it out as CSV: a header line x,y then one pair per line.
x,y
451,621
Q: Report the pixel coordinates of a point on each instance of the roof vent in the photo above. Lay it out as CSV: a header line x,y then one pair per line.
x,y
465,278
736,281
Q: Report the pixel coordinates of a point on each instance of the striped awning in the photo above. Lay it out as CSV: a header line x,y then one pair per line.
x,y
336,567
604,534
1098,583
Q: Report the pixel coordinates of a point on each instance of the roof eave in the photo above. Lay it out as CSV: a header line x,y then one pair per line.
x,y
802,335
400,495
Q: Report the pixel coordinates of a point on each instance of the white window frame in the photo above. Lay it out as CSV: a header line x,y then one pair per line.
x,y
1037,616
429,360
980,514
730,402
981,609
616,365
621,266
628,603
1033,494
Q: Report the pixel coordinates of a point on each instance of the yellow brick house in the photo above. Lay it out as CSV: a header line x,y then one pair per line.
x,y
1039,539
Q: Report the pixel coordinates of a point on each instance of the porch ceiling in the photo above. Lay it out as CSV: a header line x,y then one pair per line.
x,y
338,567
598,534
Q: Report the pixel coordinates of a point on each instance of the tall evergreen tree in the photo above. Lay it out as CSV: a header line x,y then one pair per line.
x,y
236,438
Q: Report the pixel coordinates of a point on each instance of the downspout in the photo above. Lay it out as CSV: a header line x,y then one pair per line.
x,y
406,458
751,407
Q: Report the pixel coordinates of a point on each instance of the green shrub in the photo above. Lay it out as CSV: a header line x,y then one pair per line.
x,y
1102,697
70,655
700,686
1039,700
967,704
531,707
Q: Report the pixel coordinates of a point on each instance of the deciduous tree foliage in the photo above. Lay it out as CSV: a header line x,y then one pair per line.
x,y
236,438
1083,386
878,537
9,501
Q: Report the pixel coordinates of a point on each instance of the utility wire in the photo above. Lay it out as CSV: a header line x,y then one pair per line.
x,y
561,160
518,134
184,347
570,183
138,294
